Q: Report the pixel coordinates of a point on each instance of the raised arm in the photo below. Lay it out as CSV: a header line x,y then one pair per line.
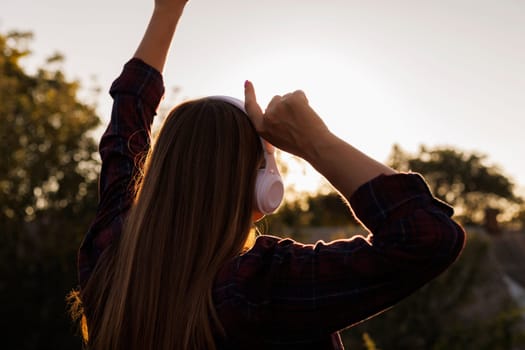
x,y
155,44
136,95
336,285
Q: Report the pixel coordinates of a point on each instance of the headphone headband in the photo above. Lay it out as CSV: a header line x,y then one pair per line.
x,y
231,100
268,147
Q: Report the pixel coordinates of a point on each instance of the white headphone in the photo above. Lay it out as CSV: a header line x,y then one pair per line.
x,y
269,188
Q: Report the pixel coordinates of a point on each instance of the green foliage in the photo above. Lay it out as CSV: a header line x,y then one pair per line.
x,y
464,308
463,179
48,173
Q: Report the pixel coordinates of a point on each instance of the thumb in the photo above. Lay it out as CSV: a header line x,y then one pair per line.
x,y
252,107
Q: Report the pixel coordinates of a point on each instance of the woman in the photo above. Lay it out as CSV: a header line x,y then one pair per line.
x,y
169,263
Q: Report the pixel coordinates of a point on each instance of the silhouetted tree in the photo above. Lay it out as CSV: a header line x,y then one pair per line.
x,y
464,179
48,174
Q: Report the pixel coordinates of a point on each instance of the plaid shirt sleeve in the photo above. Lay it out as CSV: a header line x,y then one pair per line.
x,y
136,95
289,295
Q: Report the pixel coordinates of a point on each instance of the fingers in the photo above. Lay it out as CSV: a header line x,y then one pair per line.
x,y
274,102
301,95
297,95
252,107
281,112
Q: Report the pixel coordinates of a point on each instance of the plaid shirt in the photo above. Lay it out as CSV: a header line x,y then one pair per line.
x,y
282,294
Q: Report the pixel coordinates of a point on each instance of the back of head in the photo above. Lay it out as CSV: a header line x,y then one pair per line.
x,y
191,214
201,174
204,163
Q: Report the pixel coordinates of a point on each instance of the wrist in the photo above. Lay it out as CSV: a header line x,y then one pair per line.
x,y
320,146
170,15
170,7
170,10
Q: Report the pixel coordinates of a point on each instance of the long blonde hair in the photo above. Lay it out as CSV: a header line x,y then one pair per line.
x,y
192,213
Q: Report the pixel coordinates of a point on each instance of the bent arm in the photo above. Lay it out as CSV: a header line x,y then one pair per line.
x,y
295,292
136,94
332,286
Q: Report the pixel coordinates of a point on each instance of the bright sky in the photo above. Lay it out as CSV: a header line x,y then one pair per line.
x,y
448,72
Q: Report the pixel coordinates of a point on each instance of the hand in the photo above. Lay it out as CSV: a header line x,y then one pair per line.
x,y
288,123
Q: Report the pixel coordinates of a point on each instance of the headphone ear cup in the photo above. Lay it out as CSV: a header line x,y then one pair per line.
x,y
269,191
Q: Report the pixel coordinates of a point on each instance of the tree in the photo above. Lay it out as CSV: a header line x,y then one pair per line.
x,y
464,179
48,176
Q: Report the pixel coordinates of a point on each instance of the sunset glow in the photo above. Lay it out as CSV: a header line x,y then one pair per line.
x,y
401,72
